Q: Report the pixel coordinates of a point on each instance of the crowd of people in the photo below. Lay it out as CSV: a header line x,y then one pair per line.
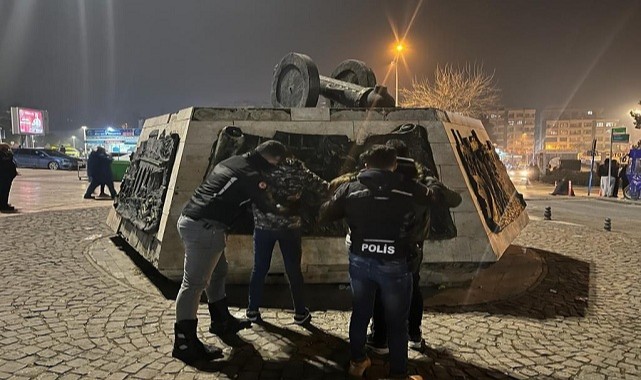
x,y
386,206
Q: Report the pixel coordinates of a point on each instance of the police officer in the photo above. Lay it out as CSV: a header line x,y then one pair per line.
x,y
301,191
380,210
214,206
442,197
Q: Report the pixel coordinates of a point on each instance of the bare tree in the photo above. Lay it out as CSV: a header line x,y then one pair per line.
x,y
636,115
468,90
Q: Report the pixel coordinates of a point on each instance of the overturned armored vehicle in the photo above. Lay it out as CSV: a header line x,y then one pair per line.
x,y
176,151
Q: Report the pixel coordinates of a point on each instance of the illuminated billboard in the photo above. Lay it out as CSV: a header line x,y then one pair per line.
x,y
27,121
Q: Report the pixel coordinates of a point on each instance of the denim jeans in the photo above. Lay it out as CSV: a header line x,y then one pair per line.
x,y
95,183
205,265
289,241
379,328
394,280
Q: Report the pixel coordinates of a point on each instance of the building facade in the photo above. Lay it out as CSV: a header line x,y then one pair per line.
x,y
574,130
512,131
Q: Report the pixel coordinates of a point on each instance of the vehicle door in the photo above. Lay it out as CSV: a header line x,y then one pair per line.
x,y
42,159
22,158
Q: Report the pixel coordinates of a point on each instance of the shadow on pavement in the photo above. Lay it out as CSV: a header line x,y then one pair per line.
x,y
320,296
293,354
320,355
563,290
168,288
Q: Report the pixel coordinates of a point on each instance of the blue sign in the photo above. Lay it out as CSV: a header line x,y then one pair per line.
x,y
113,132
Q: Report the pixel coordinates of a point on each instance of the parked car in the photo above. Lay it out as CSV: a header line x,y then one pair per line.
x,y
69,150
44,158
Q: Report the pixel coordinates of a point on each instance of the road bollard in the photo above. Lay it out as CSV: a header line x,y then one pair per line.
x,y
547,215
608,224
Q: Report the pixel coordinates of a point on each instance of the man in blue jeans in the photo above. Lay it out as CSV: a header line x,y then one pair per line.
x,y
214,206
381,211
443,199
290,184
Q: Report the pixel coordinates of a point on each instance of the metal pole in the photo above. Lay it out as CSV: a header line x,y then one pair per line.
x,y
396,72
592,166
84,139
610,163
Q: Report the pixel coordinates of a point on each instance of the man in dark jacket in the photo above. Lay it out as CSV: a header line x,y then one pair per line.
x,y
381,212
442,198
8,172
214,206
99,172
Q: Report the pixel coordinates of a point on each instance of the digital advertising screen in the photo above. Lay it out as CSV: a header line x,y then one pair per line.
x,y
27,121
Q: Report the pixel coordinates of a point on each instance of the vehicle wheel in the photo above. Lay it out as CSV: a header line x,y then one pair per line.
x,y
53,165
631,192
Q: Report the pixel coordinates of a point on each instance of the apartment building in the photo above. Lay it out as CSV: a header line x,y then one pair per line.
x,y
573,130
512,130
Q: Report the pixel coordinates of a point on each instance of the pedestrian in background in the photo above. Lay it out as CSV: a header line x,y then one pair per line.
x,y
99,172
615,176
623,177
8,172
607,182
380,210
215,205
296,187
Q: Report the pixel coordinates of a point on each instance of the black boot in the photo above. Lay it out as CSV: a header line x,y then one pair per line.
x,y
187,346
222,322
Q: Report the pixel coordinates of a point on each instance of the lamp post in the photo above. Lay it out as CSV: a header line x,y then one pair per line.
x,y
399,49
73,141
84,137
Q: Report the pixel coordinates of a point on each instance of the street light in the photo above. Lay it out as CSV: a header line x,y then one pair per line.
x,y
399,49
84,137
73,141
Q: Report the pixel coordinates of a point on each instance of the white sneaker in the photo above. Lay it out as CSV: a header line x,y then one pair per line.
x,y
416,342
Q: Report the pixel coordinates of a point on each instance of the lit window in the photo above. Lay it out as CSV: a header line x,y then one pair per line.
x,y
609,124
511,122
590,113
599,124
519,122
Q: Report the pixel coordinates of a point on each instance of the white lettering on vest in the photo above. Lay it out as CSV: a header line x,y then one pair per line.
x,y
378,248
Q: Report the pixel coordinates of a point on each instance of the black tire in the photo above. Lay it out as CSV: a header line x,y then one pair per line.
x,y
631,193
53,165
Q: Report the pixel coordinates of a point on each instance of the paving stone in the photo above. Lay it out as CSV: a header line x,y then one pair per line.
x,y
94,326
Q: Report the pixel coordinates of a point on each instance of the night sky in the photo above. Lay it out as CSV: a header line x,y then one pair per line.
x,y
100,63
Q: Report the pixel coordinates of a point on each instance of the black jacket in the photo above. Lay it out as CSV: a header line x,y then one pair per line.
x,y
99,167
8,169
382,211
232,184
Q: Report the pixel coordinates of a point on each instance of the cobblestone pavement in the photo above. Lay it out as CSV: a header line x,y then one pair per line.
x,y
63,316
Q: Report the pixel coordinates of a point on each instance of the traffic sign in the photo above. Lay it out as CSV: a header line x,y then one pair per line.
x,y
622,138
619,130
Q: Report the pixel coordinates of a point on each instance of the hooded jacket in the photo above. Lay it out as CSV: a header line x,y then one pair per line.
x,y
382,211
232,184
